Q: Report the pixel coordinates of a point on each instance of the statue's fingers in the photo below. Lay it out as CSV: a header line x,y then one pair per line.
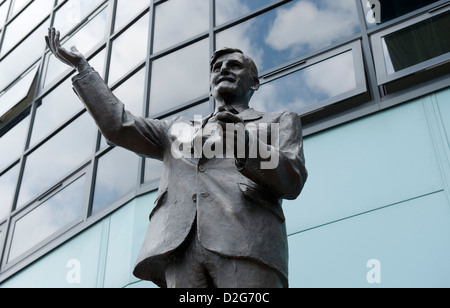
x,y
57,40
47,42
51,40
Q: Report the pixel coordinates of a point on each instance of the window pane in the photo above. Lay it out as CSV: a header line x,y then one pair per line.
x,y
18,4
4,12
12,143
227,10
54,110
131,93
125,11
116,176
57,158
85,39
47,219
292,30
309,86
23,56
390,9
26,21
17,92
153,169
179,20
90,34
129,49
202,109
179,77
8,183
72,13
418,43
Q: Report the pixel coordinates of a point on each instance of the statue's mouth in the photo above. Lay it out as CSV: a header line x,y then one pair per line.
x,y
222,79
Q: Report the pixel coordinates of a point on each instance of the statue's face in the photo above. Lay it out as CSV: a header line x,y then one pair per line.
x,y
231,78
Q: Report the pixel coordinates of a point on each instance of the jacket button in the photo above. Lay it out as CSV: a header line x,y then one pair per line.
x,y
202,168
194,198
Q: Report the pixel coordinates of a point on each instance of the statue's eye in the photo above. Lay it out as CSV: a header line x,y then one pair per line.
x,y
236,65
217,67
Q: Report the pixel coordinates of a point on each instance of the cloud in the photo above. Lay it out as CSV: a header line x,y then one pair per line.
x,y
179,77
48,218
242,37
332,77
178,20
308,86
311,25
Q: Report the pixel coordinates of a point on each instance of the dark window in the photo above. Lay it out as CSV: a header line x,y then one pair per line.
x,y
418,43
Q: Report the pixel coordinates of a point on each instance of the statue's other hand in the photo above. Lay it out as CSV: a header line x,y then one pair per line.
x,y
72,58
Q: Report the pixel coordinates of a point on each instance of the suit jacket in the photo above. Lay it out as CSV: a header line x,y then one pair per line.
x,y
237,206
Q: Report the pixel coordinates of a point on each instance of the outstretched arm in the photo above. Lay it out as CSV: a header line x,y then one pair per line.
x,y
119,126
72,58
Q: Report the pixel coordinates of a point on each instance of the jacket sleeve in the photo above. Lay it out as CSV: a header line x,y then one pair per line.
x,y
282,169
119,126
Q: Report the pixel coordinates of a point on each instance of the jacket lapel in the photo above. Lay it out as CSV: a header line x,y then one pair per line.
x,y
251,115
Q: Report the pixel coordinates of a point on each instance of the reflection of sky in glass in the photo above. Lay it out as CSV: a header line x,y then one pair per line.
x,y
12,143
90,35
116,176
23,56
178,20
57,157
129,49
72,13
55,109
17,93
3,12
85,39
153,169
292,30
50,217
8,183
26,21
179,77
202,109
227,10
308,86
18,4
131,93
128,9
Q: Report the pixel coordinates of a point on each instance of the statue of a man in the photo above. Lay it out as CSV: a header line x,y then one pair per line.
x,y
218,219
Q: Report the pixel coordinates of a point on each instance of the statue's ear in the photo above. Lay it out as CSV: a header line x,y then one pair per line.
x,y
256,84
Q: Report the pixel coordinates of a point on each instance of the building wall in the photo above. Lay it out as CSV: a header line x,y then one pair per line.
x,y
379,189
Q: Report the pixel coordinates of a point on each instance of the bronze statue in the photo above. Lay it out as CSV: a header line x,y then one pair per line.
x,y
218,219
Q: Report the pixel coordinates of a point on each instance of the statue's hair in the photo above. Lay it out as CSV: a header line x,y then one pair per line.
x,y
226,50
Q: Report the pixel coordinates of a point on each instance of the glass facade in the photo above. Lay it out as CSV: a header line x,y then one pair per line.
x,y
317,58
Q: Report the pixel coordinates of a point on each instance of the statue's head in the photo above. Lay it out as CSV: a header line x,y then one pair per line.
x,y
233,76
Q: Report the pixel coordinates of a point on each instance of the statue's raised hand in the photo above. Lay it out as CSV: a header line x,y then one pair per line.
x,y
73,57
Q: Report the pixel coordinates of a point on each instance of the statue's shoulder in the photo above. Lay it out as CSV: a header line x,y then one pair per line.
x,y
277,115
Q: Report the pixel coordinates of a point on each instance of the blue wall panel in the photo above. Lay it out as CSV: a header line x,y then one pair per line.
x,y
55,269
367,164
410,240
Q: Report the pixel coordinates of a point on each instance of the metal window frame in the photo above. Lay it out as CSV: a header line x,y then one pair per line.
x,y
5,263
3,231
377,45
